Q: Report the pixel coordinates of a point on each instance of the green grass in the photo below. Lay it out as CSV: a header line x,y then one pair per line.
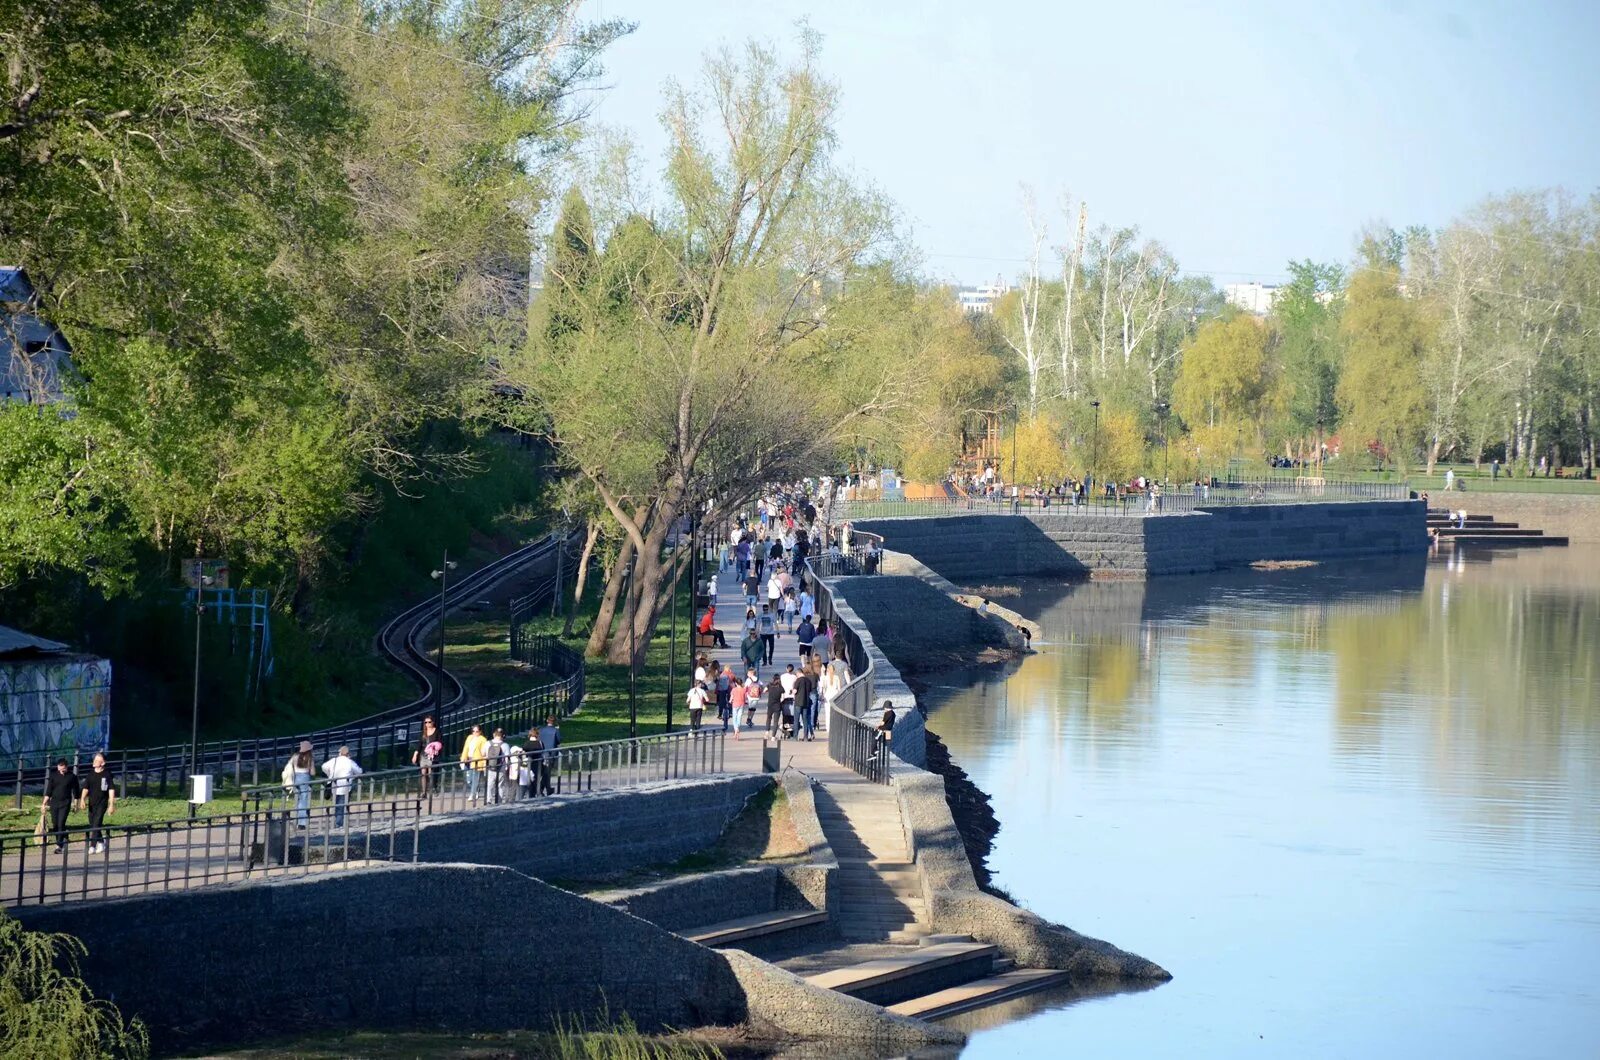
x,y
132,810
605,707
604,1039
478,651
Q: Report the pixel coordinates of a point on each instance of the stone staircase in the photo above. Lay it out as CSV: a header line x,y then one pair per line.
x,y
880,898
1485,530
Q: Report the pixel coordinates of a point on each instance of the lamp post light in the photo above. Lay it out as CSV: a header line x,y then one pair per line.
x,y
633,657
194,709
442,576
1094,451
1166,436
1016,429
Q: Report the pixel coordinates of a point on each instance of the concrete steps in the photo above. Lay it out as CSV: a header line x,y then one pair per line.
x,y
1484,531
920,970
744,928
1003,986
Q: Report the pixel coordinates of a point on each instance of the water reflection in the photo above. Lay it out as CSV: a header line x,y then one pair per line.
x,y
1353,808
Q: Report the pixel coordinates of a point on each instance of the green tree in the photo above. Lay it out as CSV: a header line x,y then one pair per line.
x,y
1305,320
45,1008
1226,376
1040,450
1381,396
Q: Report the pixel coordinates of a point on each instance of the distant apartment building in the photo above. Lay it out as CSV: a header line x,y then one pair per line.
x,y
981,299
35,360
1254,298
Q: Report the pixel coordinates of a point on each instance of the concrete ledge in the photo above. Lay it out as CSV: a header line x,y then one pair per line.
x,y
910,740
956,905
1005,621
779,1000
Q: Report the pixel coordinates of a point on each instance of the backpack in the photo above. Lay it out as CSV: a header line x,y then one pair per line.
x,y
495,756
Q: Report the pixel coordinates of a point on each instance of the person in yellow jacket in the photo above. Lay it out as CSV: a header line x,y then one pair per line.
x,y
472,762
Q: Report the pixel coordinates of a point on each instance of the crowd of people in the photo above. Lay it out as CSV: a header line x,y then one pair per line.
x,y
767,549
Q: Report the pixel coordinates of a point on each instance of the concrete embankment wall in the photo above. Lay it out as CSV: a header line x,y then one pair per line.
x,y
910,740
594,834
957,905
974,548
462,947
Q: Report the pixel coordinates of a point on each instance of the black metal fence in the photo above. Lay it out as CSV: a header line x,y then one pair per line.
x,y
852,741
80,863
446,787
1187,497
383,740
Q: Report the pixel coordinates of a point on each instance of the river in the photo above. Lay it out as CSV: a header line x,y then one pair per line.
x,y
1354,809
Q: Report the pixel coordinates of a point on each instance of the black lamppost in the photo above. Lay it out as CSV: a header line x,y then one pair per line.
x,y
194,715
633,654
1016,429
1094,452
1319,446
1166,435
442,575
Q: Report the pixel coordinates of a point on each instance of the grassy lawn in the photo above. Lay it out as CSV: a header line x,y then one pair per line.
x,y
132,810
478,651
605,709
1481,480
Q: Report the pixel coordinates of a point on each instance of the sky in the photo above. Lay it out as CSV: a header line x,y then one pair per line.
x,y
1241,136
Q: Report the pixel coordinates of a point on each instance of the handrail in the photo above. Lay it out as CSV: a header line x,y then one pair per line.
x,y
121,860
851,741
452,784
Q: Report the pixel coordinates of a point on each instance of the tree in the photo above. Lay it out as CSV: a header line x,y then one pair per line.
x,y
45,1008
1225,375
1018,311
1041,455
1381,396
1305,322
751,285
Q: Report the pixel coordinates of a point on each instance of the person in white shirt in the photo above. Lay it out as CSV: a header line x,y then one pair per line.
x,y
342,770
697,704
774,592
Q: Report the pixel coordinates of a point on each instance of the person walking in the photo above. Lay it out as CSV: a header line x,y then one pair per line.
x,y
752,587
494,768
769,634
550,736
751,649
100,799
724,689
533,770
341,770
297,773
472,762
61,790
808,604
829,685
516,772
790,606
774,707
697,704
807,633
429,748
736,700
787,682
805,685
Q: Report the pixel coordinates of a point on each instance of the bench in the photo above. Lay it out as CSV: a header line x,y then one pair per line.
x,y
704,640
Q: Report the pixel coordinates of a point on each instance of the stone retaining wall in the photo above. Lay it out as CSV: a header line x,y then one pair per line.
x,y
956,905
970,549
595,834
909,741
413,947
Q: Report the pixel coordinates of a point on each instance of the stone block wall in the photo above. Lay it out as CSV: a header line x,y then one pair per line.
x,y
976,548
395,948
595,834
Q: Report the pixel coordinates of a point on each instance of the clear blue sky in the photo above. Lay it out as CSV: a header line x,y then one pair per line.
x,y
1240,135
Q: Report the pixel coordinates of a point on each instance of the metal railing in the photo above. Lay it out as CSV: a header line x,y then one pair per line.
x,y
1188,497
123,860
449,786
852,742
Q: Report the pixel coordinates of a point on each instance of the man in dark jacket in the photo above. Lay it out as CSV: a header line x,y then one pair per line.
x,y
61,790
804,686
774,706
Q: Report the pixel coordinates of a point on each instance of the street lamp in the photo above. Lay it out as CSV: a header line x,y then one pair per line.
x,y
1016,429
1319,446
1166,434
633,658
442,576
194,716
1094,452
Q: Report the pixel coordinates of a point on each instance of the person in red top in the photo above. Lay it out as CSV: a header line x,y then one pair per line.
x,y
708,628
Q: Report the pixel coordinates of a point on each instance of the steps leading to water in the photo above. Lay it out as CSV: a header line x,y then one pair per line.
x,y
759,925
1486,531
978,993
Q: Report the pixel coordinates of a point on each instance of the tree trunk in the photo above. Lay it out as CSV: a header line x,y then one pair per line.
x,y
600,635
1433,454
650,579
590,537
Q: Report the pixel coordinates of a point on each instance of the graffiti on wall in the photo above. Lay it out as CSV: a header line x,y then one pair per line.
x,y
51,707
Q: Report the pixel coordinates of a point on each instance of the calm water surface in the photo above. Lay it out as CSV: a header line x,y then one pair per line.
x,y
1355,810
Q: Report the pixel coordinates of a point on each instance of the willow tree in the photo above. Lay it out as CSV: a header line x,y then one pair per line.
x,y
730,339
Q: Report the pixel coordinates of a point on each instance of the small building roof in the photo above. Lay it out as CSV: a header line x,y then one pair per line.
x,y
14,642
